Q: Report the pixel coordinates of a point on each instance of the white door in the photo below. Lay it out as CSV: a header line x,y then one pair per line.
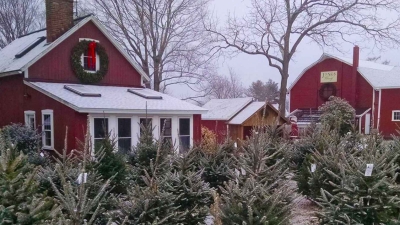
x,y
367,123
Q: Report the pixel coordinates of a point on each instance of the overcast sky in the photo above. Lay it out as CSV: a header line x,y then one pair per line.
x,y
251,68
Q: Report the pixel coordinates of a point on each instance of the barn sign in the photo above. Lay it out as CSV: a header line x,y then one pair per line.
x,y
329,77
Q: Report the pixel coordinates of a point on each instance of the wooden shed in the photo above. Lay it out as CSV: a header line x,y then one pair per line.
x,y
255,114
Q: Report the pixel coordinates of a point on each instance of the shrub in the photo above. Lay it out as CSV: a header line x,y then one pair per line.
x,y
337,114
22,137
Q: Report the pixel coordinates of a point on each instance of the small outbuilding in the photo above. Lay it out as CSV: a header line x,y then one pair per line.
x,y
237,117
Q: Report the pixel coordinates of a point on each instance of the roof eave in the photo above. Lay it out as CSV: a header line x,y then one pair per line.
x,y
10,73
139,111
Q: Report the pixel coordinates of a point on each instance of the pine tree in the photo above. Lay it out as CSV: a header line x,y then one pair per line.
x,y
81,193
20,201
258,192
354,197
253,203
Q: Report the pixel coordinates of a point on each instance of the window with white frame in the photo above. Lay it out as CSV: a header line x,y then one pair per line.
x,y
166,130
88,63
184,135
396,115
30,119
146,123
47,129
124,134
100,131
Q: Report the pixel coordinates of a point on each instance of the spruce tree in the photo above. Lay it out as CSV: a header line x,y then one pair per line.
x,y
354,196
20,201
81,192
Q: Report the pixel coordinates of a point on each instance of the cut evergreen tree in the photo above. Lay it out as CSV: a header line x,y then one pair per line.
x,y
253,203
258,192
81,192
20,201
354,196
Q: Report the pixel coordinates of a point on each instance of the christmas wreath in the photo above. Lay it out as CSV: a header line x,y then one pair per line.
x,y
92,48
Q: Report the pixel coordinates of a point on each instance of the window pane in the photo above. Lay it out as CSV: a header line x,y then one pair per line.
x,y
167,129
100,127
184,144
47,122
184,126
47,138
124,145
97,144
124,127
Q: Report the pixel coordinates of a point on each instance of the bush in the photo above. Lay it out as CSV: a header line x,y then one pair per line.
x,y
22,137
337,114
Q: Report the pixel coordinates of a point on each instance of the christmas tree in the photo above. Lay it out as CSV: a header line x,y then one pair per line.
x,y
20,200
363,188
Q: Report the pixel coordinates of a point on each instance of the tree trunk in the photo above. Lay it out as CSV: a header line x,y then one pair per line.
x,y
283,91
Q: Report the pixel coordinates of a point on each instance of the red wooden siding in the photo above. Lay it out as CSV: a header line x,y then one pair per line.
x,y
15,98
55,66
390,101
11,100
196,128
219,127
305,93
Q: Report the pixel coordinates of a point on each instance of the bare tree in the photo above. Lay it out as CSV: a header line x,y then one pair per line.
x,y
275,28
165,37
261,91
377,59
221,87
17,18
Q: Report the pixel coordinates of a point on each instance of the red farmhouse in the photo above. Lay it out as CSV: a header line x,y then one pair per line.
x,y
74,71
372,89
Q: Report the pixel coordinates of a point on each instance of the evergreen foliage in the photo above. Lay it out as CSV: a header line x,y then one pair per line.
x,y
21,137
337,114
20,201
110,164
353,197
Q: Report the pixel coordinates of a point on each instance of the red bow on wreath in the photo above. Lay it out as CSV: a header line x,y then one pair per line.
x,y
92,55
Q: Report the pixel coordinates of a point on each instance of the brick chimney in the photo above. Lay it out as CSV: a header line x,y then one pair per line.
x,y
356,61
59,18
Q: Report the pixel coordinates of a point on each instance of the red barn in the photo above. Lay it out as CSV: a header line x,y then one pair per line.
x,y
372,89
74,71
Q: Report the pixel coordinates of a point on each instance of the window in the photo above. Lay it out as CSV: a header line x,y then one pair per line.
x,y
30,120
87,62
124,135
184,135
326,91
100,131
47,129
396,115
144,124
166,130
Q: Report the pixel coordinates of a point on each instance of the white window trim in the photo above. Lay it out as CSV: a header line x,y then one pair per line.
x,y
48,112
393,112
88,39
28,113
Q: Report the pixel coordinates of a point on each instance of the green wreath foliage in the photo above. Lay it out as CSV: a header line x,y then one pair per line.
x,y
84,76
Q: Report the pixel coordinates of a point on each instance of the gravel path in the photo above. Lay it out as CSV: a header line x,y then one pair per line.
x,y
304,210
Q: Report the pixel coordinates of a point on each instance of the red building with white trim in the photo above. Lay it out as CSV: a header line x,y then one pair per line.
x,y
372,89
74,71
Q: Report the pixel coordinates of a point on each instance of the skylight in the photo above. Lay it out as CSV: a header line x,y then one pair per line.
x,y
145,93
81,90
30,47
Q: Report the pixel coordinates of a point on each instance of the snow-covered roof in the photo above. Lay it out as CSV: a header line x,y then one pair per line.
x,y
378,75
246,113
224,109
10,64
115,100
8,61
